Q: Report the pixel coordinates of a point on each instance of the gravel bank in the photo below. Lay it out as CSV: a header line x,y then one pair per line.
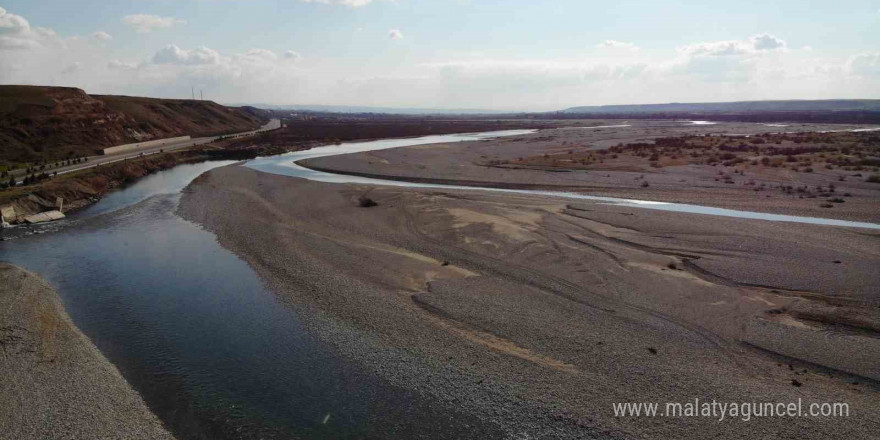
x,y
537,316
54,383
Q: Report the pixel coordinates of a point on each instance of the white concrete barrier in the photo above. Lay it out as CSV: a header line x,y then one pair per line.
x,y
139,145
47,216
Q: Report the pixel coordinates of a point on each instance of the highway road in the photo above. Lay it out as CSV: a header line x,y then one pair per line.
x,y
94,161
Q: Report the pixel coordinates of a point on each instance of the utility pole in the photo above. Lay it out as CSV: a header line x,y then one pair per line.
x,y
202,94
193,90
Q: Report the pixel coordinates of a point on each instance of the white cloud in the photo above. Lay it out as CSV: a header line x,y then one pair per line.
x,y
733,61
395,34
171,54
759,67
767,42
101,35
716,48
264,54
754,45
613,44
352,3
712,69
864,64
72,67
146,22
9,42
17,33
11,24
121,65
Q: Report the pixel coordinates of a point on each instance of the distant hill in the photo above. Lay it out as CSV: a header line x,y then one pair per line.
x,y
382,110
830,105
53,123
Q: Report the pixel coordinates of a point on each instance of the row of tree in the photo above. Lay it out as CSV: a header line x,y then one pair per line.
x,y
30,179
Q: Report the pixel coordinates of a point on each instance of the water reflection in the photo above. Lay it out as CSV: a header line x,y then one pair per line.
x,y
193,329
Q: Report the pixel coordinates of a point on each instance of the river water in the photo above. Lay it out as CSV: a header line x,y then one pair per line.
x,y
194,330
285,164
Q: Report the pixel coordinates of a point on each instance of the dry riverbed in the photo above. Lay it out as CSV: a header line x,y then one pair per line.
x,y
538,314
54,383
805,172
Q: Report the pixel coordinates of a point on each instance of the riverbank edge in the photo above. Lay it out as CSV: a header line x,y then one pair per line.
x,y
56,383
85,188
682,197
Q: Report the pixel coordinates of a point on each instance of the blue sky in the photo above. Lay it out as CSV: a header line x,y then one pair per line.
x,y
513,54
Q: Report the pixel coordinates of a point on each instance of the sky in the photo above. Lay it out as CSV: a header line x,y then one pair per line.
x,y
516,55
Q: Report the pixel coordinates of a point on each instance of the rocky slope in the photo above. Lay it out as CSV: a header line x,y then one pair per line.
x,y
53,123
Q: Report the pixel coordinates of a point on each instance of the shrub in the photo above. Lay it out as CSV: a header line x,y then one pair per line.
x,y
366,202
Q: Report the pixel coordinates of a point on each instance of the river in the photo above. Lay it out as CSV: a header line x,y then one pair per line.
x,y
286,164
214,353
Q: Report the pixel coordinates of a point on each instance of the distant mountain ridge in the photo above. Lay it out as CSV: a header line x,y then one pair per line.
x,y
829,105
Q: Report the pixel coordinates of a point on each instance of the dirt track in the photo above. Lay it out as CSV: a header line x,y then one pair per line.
x,y
537,315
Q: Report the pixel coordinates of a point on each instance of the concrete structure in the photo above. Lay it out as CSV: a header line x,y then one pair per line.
x,y
7,215
47,216
140,145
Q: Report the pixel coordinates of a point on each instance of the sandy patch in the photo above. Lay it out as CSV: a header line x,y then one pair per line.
x,y
671,272
517,225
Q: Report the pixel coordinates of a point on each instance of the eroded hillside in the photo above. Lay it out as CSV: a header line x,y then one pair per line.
x,y
51,123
